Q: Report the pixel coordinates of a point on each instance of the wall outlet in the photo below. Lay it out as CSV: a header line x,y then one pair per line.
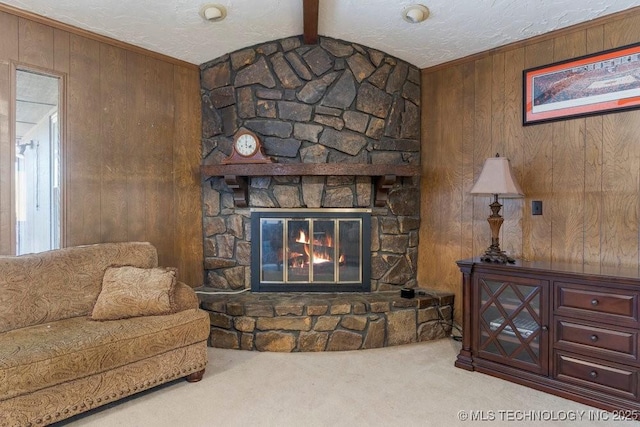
x,y
536,207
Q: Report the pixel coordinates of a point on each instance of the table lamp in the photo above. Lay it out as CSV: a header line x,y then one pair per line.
x,y
496,179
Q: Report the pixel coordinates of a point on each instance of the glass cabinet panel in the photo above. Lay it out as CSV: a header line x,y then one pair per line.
x,y
511,321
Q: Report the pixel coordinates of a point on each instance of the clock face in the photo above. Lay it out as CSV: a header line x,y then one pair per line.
x,y
246,145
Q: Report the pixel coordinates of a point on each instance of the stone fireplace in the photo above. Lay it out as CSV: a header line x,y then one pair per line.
x,y
342,124
332,104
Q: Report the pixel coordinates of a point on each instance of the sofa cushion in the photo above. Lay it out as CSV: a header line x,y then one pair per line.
x,y
63,283
45,355
132,291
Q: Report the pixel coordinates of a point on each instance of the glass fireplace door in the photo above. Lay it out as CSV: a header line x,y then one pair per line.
x,y
310,252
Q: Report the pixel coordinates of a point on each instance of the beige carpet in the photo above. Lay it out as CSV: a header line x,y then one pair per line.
x,y
411,385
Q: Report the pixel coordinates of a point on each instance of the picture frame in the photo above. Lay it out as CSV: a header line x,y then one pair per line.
x,y
599,83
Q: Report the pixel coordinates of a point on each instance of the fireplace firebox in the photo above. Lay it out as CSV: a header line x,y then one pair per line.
x,y
307,250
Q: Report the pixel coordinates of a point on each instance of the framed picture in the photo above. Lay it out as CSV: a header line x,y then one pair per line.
x,y
601,83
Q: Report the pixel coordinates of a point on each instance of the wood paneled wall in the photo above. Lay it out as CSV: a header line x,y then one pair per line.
x,y
586,171
131,143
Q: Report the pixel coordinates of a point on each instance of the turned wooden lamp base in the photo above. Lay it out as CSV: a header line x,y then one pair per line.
x,y
493,252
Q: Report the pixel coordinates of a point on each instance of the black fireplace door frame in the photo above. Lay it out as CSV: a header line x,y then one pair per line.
x,y
258,286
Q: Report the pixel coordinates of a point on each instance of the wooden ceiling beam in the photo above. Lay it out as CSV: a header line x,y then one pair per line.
x,y
310,20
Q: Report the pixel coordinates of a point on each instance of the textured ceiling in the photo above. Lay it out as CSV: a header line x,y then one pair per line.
x,y
455,29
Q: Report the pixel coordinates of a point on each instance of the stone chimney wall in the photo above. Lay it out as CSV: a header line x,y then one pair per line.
x,y
335,102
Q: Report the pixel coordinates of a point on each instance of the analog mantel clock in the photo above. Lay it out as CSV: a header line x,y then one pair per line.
x,y
247,148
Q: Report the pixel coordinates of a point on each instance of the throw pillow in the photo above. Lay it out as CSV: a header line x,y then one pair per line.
x,y
131,291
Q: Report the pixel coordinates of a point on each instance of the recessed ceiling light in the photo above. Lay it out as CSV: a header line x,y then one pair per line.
x,y
213,12
415,14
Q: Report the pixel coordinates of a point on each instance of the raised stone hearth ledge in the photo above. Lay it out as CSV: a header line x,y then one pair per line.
x,y
300,322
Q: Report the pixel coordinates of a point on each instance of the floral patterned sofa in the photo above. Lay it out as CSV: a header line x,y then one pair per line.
x,y
84,326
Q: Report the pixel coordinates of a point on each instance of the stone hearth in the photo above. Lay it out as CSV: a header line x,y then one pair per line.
x,y
300,322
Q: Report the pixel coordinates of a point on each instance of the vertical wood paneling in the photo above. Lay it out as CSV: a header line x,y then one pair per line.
x,y
138,146
451,173
621,165
83,150
586,170
36,44
593,196
8,52
468,164
158,178
536,177
482,149
113,93
567,204
132,142
188,244
428,269
511,236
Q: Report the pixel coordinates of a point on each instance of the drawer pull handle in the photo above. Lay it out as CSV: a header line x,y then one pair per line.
x,y
594,302
593,374
594,338
545,328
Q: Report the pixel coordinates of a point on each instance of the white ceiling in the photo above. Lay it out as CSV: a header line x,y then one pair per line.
x,y
455,29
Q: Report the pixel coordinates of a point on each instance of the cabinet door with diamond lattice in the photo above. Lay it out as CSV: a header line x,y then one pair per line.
x,y
512,327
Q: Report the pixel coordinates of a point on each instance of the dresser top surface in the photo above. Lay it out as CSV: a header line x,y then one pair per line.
x,y
554,268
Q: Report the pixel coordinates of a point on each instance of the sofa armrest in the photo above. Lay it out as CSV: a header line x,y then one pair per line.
x,y
184,297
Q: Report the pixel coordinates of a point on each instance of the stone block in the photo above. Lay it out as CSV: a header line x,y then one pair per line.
x,y
340,308
275,341
427,314
326,323
336,48
219,338
431,331
246,341
259,310
380,306
344,340
235,308
287,196
284,309
213,263
257,73
355,323
284,72
284,323
359,308
347,141
315,309
361,66
245,324
216,76
395,243
401,327
216,306
374,101
220,320
342,93
235,277
318,61
374,337
312,341
338,197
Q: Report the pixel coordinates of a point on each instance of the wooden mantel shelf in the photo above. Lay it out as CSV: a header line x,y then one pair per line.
x,y
236,175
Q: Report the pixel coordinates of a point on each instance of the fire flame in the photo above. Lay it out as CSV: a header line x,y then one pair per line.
x,y
320,255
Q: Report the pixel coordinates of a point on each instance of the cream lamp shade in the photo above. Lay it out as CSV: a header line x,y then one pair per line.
x,y
497,178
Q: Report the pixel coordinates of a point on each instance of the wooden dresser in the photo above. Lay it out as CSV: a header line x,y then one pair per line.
x,y
570,330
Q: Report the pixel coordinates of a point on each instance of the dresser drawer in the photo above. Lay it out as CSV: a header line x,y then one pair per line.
x,y
611,378
581,337
614,303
